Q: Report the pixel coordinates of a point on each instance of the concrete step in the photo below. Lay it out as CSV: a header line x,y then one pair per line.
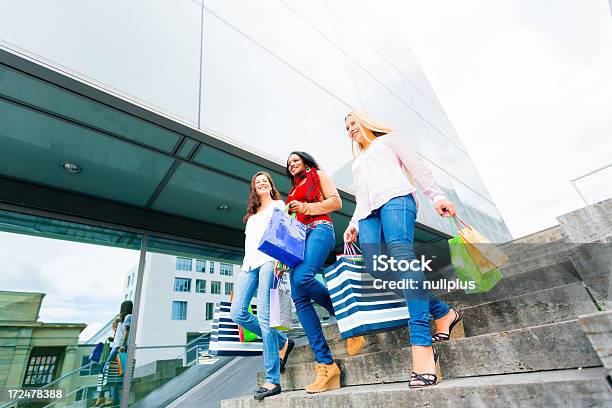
x,y
522,350
516,250
551,234
540,296
516,284
562,388
554,305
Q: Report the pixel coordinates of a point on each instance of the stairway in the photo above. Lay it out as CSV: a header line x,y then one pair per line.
x,y
525,346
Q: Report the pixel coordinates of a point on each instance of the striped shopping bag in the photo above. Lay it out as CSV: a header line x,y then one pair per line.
x,y
359,307
225,336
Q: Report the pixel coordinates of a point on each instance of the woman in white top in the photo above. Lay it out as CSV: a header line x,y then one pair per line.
x,y
258,271
384,220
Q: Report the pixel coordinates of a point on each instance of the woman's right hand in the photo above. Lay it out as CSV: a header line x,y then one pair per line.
x,y
350,235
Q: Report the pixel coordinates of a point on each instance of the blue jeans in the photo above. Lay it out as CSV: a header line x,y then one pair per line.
x,y
390,228
273,340
320,240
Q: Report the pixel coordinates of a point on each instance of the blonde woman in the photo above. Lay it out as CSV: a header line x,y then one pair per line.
x,y
384,221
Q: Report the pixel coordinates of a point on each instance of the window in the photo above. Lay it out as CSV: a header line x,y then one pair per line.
x,y
183,264
209,310
200,286
227,269
182,285
215,287
200,265
211,267
179,310
129,280
41,369
93,369
229,286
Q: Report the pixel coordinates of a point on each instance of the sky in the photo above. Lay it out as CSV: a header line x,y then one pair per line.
x,y
83,283
526,84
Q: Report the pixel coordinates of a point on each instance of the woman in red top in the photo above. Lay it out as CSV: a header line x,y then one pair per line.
x,y
312,198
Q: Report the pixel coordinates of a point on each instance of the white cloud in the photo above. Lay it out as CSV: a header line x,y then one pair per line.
x,y
83,283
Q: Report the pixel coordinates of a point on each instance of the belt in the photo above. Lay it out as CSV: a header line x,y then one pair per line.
x,y
320,222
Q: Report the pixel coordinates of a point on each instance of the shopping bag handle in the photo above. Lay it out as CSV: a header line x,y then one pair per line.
x,y
286,211
350,248
278,280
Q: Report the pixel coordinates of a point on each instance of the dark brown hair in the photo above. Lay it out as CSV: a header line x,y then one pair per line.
x,y
254,202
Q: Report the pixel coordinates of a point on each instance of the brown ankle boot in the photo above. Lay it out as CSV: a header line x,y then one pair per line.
x,y
354,345
328,378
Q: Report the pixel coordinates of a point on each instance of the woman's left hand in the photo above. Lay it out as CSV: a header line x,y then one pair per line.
x,y
297,206
445,208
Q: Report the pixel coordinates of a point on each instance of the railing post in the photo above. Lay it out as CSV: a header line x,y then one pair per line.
x,y
129,366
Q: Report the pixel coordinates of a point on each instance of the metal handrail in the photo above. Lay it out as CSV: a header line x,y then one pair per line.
x,y
70,393
573,182
63,377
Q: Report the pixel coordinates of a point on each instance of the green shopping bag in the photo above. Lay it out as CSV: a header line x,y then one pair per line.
x,y
247,335
467,269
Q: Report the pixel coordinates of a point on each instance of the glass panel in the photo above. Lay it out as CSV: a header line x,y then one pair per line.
x,y
110,48
215,287
186,148
182,285
200,265
72,293
25,134
51,228
192,184
183,264
286,118
35,92
200,286
217,159
226,269
458,163
179,310
328,69
317,14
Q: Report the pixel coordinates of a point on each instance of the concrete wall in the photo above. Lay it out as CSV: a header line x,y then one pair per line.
x,y
589,230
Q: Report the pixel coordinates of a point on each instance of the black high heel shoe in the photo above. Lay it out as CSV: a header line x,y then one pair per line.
x,y
457,323
427,379
264,392
283,361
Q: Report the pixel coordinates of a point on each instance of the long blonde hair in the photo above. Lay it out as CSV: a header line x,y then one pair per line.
x,y
366,121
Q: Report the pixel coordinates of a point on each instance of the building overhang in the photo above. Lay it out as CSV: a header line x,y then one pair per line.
x,y
139,170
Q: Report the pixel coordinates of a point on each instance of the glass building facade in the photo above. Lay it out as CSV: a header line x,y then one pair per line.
x,y
270,76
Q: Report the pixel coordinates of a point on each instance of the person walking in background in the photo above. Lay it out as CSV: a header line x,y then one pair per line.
x,y
385,214
103,375
258,272
313,197
120,342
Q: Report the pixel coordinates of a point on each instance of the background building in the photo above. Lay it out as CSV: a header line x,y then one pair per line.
x,y
34,354
268,77
177,303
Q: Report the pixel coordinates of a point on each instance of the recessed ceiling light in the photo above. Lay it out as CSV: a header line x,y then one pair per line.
x,y
70,167
223,208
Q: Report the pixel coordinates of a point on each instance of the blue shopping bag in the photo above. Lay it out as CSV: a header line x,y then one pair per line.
x,y
359,307
284,239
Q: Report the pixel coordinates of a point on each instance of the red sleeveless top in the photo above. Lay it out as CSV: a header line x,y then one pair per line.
x,y
300,192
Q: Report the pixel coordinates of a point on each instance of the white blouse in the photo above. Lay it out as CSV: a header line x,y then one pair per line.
x,y
255,228
379,174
